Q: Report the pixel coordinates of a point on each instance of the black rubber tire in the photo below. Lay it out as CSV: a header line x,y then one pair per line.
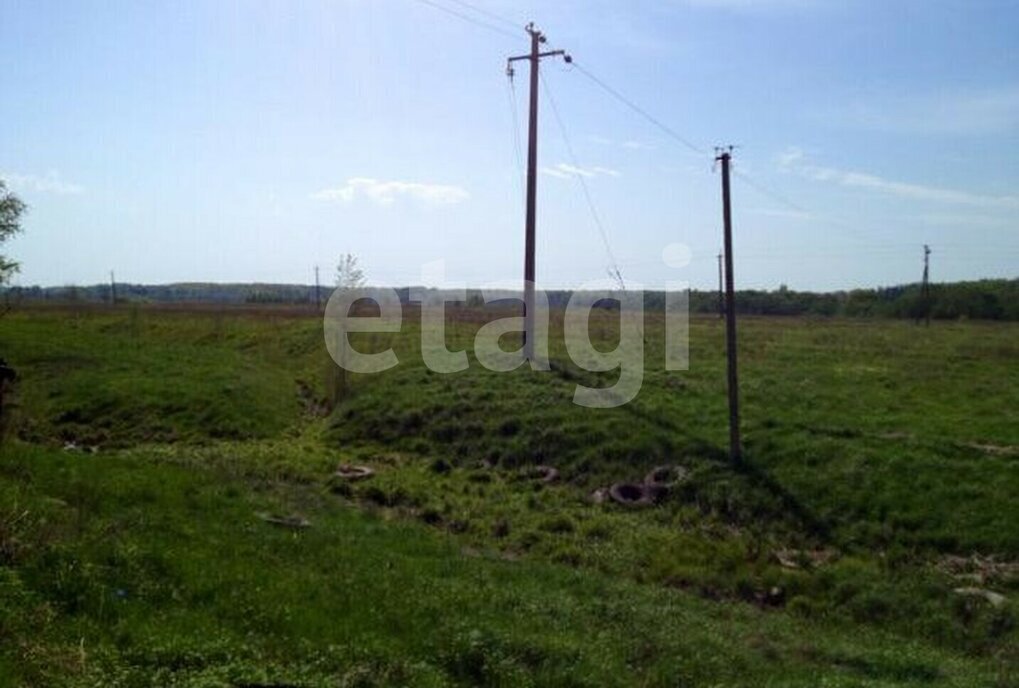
x,y
630,494
665,476
353,473
544,474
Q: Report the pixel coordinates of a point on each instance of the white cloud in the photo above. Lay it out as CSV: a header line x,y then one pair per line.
x,y
566,171
965,220
47,183
386,192
794,160
637,145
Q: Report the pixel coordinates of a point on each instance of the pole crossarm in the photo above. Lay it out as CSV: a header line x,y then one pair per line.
x,y
549,53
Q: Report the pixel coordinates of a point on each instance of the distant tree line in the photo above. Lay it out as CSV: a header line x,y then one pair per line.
x,y
979,300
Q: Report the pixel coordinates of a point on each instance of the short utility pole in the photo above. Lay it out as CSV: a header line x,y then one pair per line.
x,y
537,39
724,156
318,292
926,284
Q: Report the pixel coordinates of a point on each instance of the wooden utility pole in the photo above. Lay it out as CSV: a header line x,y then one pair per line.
x,y
926,284
318,292
534,57
721,293
735,451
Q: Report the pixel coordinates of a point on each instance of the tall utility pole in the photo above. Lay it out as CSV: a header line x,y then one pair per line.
x,y
724,156
926,284
318,291
721,294
537,39
113,290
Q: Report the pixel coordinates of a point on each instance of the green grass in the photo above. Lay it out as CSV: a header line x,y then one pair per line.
x,y
886,445
142,571
116,381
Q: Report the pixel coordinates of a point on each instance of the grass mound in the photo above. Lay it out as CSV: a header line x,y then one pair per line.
x,y
113,380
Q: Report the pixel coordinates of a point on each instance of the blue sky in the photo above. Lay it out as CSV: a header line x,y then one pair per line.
x,y
250,141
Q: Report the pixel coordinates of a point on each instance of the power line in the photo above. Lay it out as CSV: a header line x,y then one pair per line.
x,y
628,103
614,266
761,188
640,111
796,207
467,18
487,13
512,94
770,193
669,131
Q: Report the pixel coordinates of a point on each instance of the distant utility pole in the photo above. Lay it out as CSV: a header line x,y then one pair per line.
x,y
926,284
318,292
724,156
113,290
537,39
721,294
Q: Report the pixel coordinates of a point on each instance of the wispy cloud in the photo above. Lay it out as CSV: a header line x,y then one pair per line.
x,y
966,220
47,183
954,112
566,171
386,192
794,160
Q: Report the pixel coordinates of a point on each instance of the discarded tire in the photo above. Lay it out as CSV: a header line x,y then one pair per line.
x,y
630,494
665,476
807,558
292,522
995,599
656,493
353,473
544,474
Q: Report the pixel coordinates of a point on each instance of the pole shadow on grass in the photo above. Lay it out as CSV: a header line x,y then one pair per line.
x,y
757,475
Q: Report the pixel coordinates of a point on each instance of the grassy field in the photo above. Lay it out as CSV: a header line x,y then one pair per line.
x,y
881,472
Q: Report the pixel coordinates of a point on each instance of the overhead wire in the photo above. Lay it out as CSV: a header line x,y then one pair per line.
x,y
498,27
487,13
467,18
614,265
512,94
770,193
639,110
687,143
798,208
